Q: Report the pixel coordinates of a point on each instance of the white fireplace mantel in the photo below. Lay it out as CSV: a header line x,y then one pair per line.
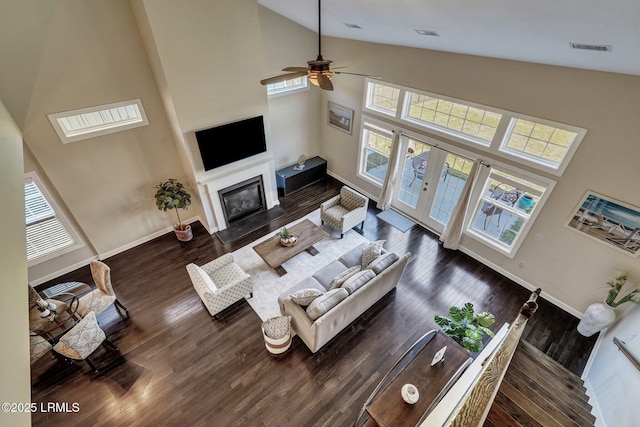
x,y
214,181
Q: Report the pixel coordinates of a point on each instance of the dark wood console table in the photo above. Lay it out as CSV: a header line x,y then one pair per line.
x,y
385,406
289,180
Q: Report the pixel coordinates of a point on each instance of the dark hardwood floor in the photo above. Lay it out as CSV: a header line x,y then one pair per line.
x,y
178,366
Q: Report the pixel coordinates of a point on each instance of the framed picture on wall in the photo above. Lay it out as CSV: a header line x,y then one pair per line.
x,y
609,221
340,117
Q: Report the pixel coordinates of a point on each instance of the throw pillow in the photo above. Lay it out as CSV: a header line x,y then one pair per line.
x,y
370,252
381,262
277,327
342,277
326,302
305,296
357,280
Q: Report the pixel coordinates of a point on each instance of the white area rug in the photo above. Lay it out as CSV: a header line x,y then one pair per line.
x,y
268,286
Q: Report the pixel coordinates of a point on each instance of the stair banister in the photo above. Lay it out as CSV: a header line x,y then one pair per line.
x,y
475,405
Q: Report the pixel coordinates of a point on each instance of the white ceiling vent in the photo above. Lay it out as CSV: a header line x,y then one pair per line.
x,y
595,47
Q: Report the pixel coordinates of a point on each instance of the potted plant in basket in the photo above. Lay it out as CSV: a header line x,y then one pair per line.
x,y
465,327
286,238
171,194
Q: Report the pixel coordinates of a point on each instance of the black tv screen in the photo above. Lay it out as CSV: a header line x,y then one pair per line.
x,y
231,142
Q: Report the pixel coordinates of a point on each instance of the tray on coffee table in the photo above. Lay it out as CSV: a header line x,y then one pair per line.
x,y
274,254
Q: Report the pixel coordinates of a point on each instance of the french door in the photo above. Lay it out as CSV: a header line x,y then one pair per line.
x,y
430,182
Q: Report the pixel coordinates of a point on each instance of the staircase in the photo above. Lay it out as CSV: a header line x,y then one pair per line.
x,y
538,391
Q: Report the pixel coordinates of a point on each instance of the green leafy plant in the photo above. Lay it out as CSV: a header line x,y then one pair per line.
x,y
616,283
466,327
171,194
284,233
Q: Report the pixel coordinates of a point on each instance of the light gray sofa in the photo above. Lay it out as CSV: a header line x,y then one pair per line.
x,y
316,333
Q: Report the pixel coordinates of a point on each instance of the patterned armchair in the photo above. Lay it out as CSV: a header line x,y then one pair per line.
x,y
220,283
345,211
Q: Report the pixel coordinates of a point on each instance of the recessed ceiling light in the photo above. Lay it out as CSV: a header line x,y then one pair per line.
x,y
353,26
427,33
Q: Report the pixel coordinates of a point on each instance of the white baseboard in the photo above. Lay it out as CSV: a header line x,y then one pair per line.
x,y
522,282
595,407
142,240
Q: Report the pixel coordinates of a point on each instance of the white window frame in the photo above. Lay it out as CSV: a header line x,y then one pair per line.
x,y
495,147
287,90
60,216
67,136
370,123
484,178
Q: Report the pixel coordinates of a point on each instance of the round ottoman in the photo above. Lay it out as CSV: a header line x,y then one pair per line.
x,y
277,334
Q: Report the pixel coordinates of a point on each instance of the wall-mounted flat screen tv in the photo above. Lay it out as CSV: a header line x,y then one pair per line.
x,y
231,142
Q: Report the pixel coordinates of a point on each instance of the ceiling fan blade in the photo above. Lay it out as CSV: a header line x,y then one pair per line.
x,y
356,74
324,82
295,69
283,77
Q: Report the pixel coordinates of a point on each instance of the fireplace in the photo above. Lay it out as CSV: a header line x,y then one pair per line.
x,y
243,199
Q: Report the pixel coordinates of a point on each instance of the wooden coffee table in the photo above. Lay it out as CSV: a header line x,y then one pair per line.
x,y
274,254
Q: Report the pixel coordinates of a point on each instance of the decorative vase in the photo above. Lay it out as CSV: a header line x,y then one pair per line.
x,y
183,232
597,317
290,241
410,393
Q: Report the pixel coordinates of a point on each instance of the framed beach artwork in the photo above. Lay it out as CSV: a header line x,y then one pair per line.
x,y
609,221
340,117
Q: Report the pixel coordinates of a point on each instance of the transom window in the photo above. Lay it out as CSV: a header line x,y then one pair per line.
x,y
539,143
383,98
471,121
287,86
90,122
47,233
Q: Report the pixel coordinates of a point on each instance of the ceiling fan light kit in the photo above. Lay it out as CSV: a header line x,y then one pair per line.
x,y
318,71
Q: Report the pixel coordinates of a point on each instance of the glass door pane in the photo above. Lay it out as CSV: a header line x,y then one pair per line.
x,y
453,176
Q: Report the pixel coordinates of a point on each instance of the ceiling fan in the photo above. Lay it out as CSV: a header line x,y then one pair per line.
x,y
318,71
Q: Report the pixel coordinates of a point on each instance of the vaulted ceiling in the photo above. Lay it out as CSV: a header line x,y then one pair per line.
x,y
535,31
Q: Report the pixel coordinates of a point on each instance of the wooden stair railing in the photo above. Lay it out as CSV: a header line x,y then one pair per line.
x,y
475,405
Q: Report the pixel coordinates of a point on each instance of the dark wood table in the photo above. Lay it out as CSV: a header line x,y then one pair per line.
x,y
274,254
387,408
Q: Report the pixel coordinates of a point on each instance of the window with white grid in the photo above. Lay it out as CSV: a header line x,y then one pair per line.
x,y
48,234
76,125
382,98
287,86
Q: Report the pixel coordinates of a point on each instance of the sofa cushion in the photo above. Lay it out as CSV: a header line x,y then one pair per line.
x,y
305,296
342,277
327,273
371,251
326,302
354,256
382,262
358,280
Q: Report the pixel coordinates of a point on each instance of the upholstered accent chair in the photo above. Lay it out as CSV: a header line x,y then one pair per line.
x,y
83,340
345,211
38,347
103,296
220,283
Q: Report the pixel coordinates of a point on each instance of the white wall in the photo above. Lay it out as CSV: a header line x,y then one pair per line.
x,y
14,325
612,381
570,268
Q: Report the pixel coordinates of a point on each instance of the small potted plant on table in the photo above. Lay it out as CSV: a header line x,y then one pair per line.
x,y
171,194
286,238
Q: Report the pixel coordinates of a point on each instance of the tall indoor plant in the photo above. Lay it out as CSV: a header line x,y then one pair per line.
x,y
466,327
171,194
